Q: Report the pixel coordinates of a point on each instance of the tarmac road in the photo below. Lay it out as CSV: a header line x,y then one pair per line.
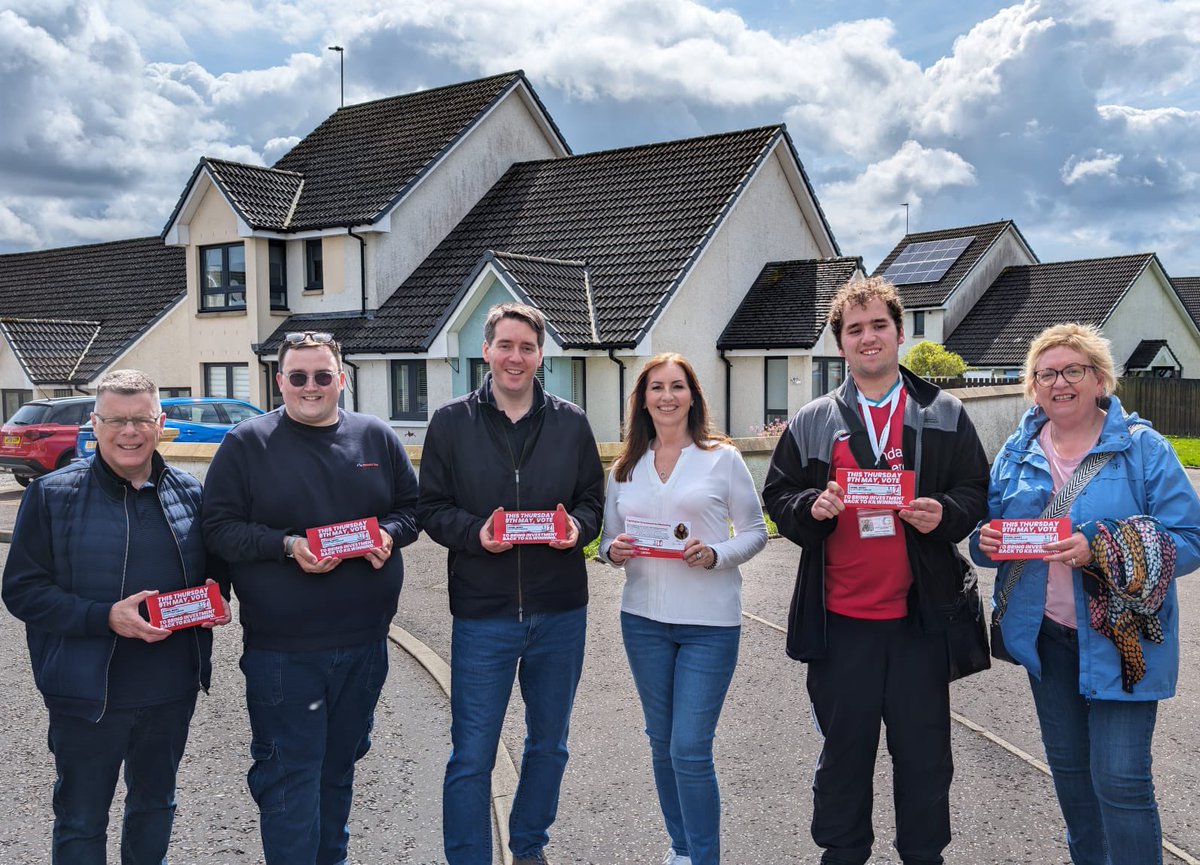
x,y
1003,808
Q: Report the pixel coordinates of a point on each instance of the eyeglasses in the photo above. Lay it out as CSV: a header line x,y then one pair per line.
x,y
323,378
309,337
1072,374
141,424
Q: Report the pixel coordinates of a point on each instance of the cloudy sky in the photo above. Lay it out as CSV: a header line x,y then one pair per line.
x,y
1080,119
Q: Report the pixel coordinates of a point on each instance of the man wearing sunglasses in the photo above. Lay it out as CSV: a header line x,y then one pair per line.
x,y
92,542
314,629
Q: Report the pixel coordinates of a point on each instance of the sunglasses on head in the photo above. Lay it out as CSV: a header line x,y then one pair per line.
x,y
300,379
308,337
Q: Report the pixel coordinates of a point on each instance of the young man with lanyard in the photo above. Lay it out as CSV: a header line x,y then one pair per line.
x,y
874,585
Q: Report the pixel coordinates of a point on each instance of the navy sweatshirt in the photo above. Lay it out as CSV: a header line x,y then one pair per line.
x,y
272,477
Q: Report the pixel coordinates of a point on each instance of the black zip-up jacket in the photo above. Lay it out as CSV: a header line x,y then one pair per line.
x,y
468,470
940,445
66,569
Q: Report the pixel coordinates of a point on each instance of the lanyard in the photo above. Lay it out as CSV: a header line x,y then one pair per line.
x,y
890,399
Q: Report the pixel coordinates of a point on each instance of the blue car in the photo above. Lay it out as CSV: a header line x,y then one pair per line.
x,y
198,419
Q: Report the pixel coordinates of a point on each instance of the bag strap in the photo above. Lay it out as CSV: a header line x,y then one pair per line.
x,y
1059,505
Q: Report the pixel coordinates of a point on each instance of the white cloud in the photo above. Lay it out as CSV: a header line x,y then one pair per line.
x,y
871,202
1099,165
1039,108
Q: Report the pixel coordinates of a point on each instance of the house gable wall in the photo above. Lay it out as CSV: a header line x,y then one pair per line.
x,y
765,224
508,134
1007,251
1149,310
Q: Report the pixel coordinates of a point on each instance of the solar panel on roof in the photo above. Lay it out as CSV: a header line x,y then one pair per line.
x,y
926,261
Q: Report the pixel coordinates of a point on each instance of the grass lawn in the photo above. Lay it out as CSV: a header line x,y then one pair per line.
x,y
1187,449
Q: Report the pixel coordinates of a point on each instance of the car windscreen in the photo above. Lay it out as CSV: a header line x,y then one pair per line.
x,y
30,413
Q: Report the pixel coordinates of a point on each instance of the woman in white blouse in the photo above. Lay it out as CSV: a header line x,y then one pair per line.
x,y
672,494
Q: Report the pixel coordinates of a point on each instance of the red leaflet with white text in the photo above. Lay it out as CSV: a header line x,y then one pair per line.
x,y
530,527
345,540
1024,539
877,488
185,608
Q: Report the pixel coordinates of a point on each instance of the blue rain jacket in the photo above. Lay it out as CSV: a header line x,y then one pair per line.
x,y
1143,477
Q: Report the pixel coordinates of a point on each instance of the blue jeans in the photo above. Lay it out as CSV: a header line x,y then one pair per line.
x,y
1099,754
545,653
682,673
88,757
310,720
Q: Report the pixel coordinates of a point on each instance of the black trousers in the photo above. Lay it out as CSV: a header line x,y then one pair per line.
x,y
887,671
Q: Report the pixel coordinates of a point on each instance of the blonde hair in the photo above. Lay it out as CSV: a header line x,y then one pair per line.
x,y
1083,338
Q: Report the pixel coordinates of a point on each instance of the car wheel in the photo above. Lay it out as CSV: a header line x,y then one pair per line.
x,y
23,480
65,459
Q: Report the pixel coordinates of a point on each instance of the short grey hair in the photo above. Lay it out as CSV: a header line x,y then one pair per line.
x,y
127,382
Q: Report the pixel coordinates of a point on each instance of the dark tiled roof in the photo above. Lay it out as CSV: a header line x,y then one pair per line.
x,y
788,303
263,197
49,350
931,294
1188,288
123,286
1144,353
1024,301
343,326
364,157
559,288
637,217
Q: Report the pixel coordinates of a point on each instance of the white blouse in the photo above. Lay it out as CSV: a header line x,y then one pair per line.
x,y
709,489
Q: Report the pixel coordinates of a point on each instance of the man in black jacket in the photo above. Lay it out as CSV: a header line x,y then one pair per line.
x,y
314,627
92,542
517,609
875,585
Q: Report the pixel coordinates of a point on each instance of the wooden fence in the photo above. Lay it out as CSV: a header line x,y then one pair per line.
x,y
954,381
1171,404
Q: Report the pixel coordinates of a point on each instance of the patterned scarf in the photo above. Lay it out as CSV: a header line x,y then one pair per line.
x,y
1133,562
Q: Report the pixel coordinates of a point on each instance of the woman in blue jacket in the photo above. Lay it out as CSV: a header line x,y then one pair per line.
x,y
1069,611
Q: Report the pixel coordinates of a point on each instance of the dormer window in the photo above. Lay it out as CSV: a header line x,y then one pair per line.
x,y
223,277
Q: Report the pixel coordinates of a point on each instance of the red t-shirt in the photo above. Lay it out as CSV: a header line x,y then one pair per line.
x,y
868,578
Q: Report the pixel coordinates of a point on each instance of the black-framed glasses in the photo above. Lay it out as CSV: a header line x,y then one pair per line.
x,y
324,378
141,424
309,337
1072,373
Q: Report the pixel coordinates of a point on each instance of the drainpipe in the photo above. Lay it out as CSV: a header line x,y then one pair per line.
x,y
354,378
612,355
728,393
266,366
362,277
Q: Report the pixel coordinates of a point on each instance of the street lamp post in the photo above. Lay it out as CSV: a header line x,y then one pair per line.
x,y
341,69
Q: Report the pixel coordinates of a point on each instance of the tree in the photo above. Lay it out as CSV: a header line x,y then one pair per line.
x,y
931,359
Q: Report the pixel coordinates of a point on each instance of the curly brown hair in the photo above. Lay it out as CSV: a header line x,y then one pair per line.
x,y
860,293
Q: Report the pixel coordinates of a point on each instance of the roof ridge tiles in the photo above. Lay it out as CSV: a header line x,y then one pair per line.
x,y
58,250
538,258
213,160
515,73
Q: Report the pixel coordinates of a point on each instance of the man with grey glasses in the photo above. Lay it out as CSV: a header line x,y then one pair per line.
x,y
93,542
314,622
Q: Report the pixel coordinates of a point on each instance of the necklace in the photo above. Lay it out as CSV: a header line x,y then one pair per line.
x,y
664,463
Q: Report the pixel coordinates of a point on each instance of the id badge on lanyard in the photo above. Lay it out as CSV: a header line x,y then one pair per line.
x,y
878,523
